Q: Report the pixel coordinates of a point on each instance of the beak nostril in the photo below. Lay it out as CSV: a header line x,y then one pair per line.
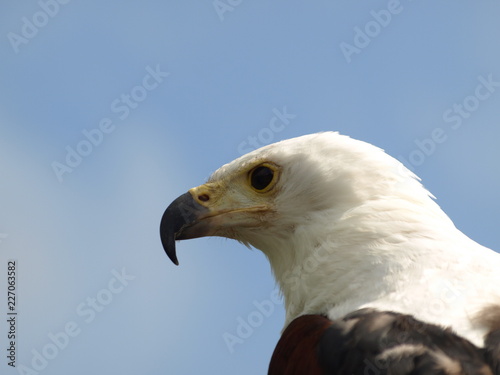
x,y
203,197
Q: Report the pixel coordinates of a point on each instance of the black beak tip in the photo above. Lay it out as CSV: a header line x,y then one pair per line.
x,y
167,236
174,260
179,215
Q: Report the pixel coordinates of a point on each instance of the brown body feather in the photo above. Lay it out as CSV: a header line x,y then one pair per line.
x,y
374,342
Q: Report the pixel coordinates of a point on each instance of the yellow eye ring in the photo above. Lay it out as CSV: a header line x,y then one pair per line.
x,y
263,177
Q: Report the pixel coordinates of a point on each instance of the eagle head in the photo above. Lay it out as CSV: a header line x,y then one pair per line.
x,y
343,224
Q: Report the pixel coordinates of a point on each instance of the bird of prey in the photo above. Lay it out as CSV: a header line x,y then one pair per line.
x,y
376,279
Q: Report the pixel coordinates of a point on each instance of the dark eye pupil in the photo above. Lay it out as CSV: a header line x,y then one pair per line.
x,y
261,177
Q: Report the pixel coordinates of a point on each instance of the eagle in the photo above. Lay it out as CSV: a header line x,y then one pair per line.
x,y
375,277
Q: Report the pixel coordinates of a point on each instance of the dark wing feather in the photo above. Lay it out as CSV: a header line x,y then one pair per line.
x,y
374,342
296,352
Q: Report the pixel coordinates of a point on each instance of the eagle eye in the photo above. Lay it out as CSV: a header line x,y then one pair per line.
x,y
261,177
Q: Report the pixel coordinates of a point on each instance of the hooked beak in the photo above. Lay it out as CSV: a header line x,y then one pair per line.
x,y
209,210
182,220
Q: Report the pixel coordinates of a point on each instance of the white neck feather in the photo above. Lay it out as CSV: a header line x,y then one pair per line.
x,y
420,265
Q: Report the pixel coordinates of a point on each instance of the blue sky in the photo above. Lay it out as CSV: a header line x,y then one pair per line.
x,y
109,111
